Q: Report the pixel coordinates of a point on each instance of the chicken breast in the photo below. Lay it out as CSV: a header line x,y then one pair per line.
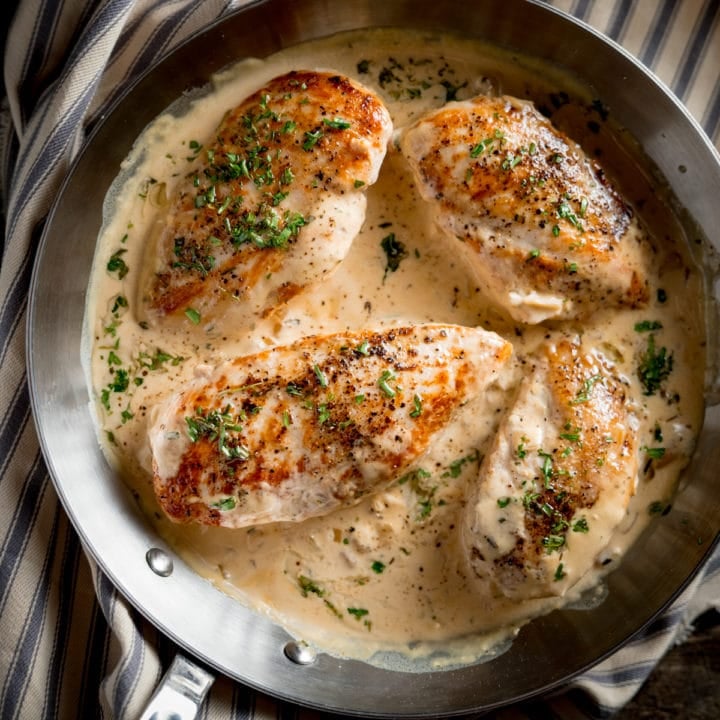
x,y
297,431
558,478
273,203
544,232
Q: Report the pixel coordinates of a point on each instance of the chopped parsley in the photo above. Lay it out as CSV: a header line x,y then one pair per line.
x,y
336,123
308,586
583,394
193,315
654,453
417,406
357,612
655,367
363,348
648,326
117,265
384,383
227,504
320,375
377,566
395,252
311,139
581,526
553,542
218,425
456,466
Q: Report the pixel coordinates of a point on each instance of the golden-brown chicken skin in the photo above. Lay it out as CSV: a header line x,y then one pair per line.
x,y
274,201
545,233
557,479
299,430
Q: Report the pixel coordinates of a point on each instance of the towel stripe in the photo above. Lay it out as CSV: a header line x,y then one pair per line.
x,y
73,655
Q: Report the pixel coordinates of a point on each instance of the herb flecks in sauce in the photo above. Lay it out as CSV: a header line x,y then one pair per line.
x,y
395,251
405,82
654,367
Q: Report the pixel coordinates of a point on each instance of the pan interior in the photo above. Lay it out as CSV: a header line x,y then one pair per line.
x,y
105,513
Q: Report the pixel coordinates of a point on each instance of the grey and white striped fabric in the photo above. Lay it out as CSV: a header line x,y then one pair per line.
x,y
70,647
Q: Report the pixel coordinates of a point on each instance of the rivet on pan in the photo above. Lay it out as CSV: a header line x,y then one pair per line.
x,y
300,653
159,561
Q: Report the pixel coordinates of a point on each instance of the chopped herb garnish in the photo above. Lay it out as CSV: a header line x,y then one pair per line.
x,y
320,375
424,492
571,434
583,394
395,251
655,453
363,348
648,326
323,413
581,526
193,315
564,212
359,183
546,468
119,303
377,566
559,573
384,383
553,542
511,161
417,407
294,390
117,264
503,502
655,367
158,360
358,612
227,504
456,466
336,123
311,139
308,586
216,425
266,228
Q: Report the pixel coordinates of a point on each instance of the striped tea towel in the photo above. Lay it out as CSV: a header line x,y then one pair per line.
x,y
70,647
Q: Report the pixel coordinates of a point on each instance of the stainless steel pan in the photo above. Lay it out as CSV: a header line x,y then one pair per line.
x,y
225,635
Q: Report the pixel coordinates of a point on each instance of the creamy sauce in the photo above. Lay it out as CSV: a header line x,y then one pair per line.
x,y
388,580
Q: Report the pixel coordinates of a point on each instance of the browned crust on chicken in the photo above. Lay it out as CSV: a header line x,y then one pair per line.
x,y
296,431
568,444
535,214
257,187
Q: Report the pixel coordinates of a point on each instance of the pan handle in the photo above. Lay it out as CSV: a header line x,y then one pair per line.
x,y
180,693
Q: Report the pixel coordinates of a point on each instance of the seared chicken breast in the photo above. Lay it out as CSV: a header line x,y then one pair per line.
x,y
299,430
543,230
558,478
274,201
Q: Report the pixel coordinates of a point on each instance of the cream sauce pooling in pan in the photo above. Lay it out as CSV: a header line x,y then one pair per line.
x,y
385,576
